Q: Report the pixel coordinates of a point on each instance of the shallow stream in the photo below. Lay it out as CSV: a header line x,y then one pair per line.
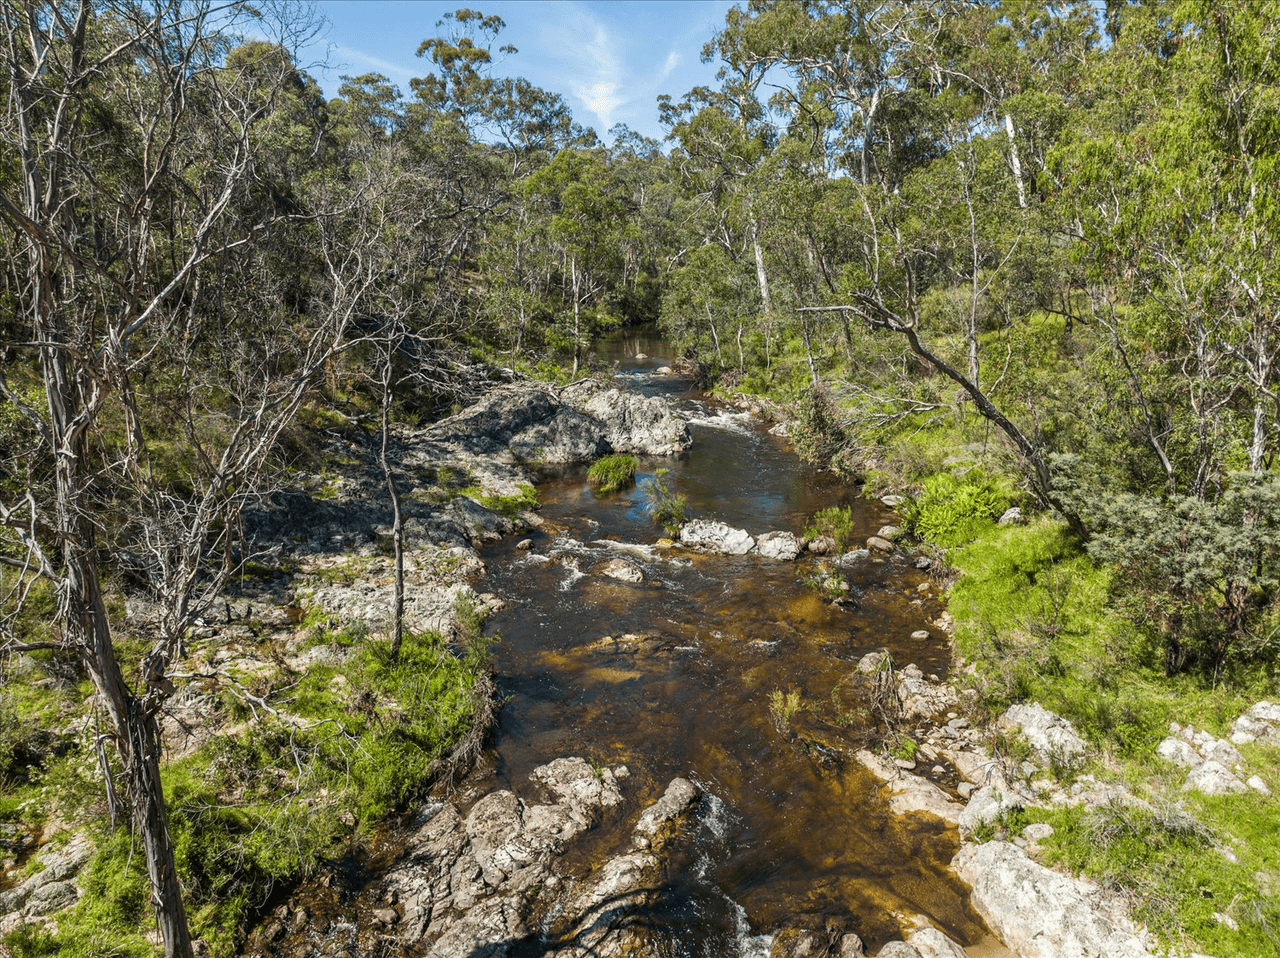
x,y
674,676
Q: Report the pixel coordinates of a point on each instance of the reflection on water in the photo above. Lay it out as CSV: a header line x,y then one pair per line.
x,y
673,676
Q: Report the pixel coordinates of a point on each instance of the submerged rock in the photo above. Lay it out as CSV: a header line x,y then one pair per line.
x,y
1038,913
911,794
622,569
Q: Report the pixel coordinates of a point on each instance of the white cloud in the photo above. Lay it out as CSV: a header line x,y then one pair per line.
x,y
588,54
393,71
673,61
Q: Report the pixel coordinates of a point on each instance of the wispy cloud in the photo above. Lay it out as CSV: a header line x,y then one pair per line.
x,y
589,55
351,59
673,61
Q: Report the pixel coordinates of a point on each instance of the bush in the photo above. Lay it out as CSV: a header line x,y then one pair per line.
x,y
666,506
950,510
836,522
613,473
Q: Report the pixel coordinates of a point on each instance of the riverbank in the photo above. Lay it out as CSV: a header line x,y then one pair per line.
x,y
1164,802
293,733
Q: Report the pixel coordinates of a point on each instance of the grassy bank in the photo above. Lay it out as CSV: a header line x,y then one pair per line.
x,y
281,789
1039,618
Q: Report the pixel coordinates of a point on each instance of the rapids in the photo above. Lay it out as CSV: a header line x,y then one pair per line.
x,y
675,675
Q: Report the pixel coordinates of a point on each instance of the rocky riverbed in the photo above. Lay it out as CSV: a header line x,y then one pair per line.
x,y
577,856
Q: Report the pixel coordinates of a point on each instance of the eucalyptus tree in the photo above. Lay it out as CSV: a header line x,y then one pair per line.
x,y
143,143
580,213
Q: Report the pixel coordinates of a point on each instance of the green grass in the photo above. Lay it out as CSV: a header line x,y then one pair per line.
x,y
509,506
1034,614
613,473
273,803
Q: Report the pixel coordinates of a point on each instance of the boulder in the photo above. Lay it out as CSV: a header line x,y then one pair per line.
x,y
1260,723
783,546
872,662
1179,752
1011,516
898,949
851,946
622,569
821,545
716,537
1038,913
675,801
987,804
642,425
931,943
1052,736
879,545
852,559
1213,778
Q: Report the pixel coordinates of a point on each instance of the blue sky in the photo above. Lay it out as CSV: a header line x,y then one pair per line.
x,y
609,60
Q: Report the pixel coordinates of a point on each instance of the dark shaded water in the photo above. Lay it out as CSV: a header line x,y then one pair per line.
x,y
675,676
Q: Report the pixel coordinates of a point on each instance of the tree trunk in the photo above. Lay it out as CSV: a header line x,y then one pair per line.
x,y
1015,160
397,527
762,277
711,323
577,313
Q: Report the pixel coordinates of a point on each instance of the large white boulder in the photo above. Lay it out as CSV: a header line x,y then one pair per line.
x,y
716,537
1039,913
1052,736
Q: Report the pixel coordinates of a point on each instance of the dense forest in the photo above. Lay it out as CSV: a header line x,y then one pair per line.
x,y
1034,239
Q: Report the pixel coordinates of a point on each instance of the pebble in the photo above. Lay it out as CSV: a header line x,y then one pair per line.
x,y
920,635
524,545
1256,783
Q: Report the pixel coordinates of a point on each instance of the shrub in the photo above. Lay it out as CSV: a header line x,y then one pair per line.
x,y
666,506
836,522
613,473
950,510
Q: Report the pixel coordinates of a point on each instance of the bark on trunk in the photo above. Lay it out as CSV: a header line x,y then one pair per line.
x,y
397,528
1015,160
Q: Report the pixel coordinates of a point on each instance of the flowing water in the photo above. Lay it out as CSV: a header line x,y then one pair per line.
x,y
675,676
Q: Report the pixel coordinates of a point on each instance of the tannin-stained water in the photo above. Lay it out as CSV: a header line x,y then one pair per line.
x,y
673,676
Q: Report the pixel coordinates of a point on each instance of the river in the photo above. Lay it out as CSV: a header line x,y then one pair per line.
x,y
792,833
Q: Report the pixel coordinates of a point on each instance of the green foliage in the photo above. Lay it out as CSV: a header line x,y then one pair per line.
x,y
666,506
782,707
834,521
613,473
1200,573
950,510
1170,865
509,506
817,434
271,804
